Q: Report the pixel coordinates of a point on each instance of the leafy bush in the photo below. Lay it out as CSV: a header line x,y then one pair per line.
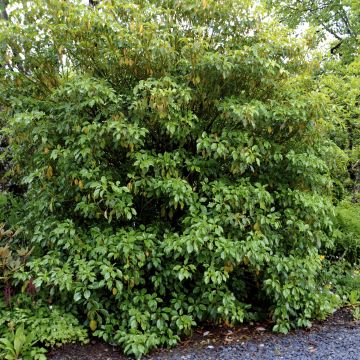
x,y
19,345
49,325
171,160
347,240
11,210
343,279
10,260
28,325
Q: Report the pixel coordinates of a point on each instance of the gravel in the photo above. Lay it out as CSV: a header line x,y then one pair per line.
x,y
338,343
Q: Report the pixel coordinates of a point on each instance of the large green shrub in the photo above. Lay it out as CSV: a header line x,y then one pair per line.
x,y
170,158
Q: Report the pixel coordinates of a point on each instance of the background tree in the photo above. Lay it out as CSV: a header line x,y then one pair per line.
x,y
338,22
338,19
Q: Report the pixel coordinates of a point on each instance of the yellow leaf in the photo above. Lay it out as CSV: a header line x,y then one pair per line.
x,y
114,291
246,260
256,226
228,324
49,172
163,211
269,129
93,325
81,184
196,79
23,288
229,267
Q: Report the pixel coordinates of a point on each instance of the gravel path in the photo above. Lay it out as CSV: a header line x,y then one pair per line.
x,y
339,343
337,338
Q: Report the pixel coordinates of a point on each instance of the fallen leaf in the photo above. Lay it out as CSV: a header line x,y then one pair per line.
x,y
260,328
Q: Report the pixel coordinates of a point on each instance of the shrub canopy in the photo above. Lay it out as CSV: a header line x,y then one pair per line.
x,y
170,156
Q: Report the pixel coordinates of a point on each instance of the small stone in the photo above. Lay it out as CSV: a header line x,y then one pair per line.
x,y
210,347
206,333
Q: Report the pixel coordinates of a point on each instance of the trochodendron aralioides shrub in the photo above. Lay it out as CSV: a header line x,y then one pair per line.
x,y
170,158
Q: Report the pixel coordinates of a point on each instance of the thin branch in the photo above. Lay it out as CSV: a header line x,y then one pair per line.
x,y
346,20
332,50
329,30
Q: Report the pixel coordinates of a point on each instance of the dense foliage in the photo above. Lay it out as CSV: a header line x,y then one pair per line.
x,y
28,324
342,84
335,19
348,239
336,24
171,163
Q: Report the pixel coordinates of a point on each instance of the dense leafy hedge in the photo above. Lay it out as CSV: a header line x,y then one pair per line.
x,y
170,158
